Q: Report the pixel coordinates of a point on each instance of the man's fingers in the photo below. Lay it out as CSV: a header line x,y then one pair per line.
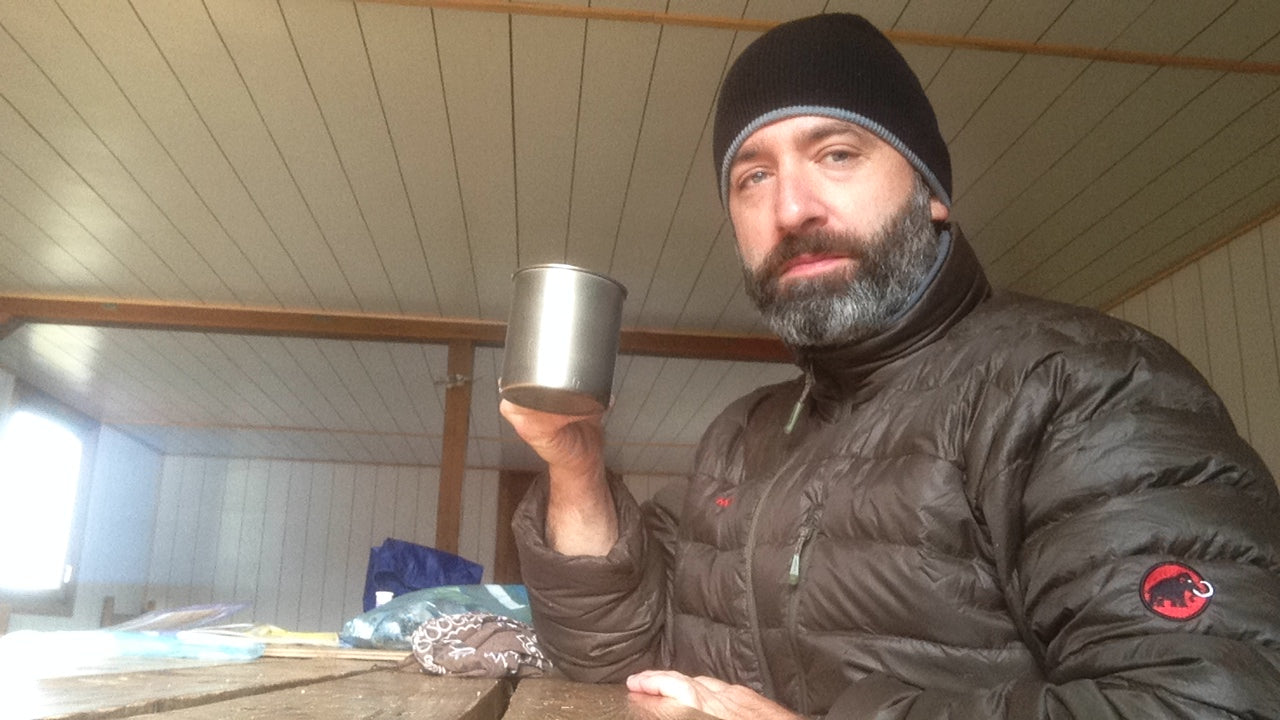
x,y
715,685
666,683
523,418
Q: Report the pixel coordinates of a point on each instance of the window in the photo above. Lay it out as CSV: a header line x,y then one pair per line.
x,y
43,463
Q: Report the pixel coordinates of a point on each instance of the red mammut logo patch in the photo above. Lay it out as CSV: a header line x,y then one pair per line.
x,y
724,501
1175,591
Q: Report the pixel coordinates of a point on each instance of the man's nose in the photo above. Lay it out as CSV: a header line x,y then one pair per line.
x,y
798,205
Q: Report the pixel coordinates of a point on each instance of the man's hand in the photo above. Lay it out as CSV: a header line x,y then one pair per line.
x,y
573,443
581,519
711,696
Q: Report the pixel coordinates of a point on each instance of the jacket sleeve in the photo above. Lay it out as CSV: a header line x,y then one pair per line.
x,y
1107,462
598,618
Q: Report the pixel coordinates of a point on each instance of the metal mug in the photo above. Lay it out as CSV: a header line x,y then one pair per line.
x,y
562,339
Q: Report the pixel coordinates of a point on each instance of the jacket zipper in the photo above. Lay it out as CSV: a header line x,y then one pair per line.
x,y
807,528
766,678
799,406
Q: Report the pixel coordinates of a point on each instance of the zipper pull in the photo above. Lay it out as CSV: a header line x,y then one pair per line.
x,y
804,395
793,573
793,576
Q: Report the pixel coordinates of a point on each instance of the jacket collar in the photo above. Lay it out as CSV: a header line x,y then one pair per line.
x,y
845,372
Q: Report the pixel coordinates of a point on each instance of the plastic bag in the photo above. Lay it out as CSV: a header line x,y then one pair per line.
x,y
400,567
390,626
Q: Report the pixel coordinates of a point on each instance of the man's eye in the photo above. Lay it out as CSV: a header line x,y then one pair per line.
x,y
754,178
839,156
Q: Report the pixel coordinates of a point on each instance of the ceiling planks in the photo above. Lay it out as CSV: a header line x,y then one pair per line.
x,y
305,199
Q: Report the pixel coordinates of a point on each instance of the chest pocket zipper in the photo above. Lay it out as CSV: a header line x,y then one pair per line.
x,y
806,532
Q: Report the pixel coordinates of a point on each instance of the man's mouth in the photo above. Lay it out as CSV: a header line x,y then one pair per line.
x,y
811,265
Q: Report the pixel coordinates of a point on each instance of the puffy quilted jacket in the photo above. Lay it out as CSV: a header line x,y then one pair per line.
x,y
1003,507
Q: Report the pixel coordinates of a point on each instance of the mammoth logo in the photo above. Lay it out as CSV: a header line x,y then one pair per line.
x,y
1175,591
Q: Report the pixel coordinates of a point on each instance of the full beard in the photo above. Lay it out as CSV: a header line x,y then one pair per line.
x,y
843,307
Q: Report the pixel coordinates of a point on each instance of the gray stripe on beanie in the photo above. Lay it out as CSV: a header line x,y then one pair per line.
x,y
848,116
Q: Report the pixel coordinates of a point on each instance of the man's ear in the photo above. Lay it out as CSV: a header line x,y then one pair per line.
x,y
938,211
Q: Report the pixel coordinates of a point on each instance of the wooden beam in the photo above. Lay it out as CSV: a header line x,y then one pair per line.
x,y
453,461
247,320
902,37
360,326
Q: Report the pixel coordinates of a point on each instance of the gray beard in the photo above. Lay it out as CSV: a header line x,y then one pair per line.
x,y
857,304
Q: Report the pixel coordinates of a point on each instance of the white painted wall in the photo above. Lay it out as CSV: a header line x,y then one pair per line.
x,y
7,384
1223,313
643,487
291,539
116,549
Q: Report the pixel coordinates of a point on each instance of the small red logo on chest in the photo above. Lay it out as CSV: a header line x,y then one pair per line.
x,y
1175,591
724,501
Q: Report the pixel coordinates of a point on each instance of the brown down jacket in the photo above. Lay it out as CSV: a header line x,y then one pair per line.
x,y
1002,508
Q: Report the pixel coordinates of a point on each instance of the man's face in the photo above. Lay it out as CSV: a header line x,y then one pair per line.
x,y
835,228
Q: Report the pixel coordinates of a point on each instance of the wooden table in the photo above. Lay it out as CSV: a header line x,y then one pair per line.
x,y
320,688
265,688
556,699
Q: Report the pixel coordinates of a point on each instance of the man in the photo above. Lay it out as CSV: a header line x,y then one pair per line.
x,y
973,504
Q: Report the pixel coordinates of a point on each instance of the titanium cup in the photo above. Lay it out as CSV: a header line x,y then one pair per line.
x,y
562,339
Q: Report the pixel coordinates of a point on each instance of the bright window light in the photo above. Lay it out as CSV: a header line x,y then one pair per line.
x,y
39,475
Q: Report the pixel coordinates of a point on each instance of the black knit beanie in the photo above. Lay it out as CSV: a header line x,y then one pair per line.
x,y
832,65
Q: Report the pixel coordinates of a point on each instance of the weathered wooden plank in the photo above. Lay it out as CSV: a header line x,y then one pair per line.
x,y
180,685
555,699
406,695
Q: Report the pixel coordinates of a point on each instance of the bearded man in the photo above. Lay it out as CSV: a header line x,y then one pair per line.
x,y
972,504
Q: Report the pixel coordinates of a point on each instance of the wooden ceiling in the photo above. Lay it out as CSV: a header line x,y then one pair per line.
x,y
249,227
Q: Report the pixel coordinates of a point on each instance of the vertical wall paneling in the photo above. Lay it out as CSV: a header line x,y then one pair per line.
x,y
406,506
1270,234
7,383
1224,343
384,507
162,544
1188,312
1221,313
249,548
361,536
291,538
293,547
266,588
644,487
428,495
1257,344
1160,313
121,517
315,558
230,530
512,487
478,530
1135,311
336,562
183,578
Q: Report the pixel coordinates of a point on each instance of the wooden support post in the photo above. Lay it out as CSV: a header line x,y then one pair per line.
x,y
453,461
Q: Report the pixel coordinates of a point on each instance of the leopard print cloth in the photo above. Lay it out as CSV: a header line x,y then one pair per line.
x,y
478,644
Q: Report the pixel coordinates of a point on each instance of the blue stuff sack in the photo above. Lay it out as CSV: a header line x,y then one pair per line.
x,y
402,567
